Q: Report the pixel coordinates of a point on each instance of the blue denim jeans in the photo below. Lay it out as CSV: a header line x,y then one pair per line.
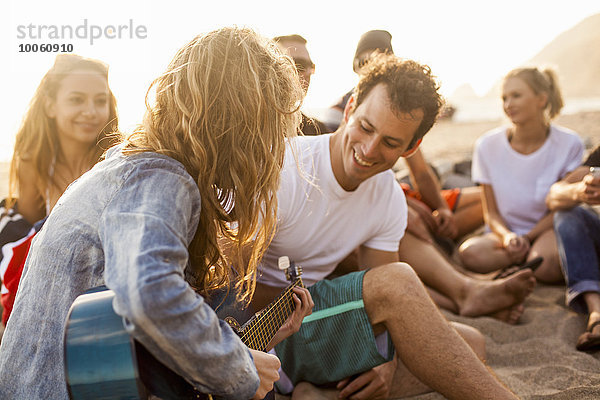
x,y
578,236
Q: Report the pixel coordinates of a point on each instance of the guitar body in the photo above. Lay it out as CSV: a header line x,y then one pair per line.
x,y
102,361
100,356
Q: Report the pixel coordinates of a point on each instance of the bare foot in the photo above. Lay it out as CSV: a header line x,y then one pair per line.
x,y
510,315
484,297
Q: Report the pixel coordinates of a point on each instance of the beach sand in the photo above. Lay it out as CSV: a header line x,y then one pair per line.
x,y
536,358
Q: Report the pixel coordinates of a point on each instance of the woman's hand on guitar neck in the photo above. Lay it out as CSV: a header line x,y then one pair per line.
x,y
267,366
303,306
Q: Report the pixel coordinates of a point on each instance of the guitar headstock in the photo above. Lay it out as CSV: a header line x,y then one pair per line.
x,y
292,271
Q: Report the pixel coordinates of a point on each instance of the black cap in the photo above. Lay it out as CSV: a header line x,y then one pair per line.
x,y
374,40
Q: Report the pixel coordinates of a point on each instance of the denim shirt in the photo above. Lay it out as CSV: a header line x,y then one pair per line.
x,y
127,223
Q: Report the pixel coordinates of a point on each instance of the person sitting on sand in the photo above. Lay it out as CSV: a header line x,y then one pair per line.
x,y
295,47
65,131
577,228
516,165
344,196
145,222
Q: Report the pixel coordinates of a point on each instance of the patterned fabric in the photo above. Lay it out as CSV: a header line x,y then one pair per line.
x,y
311,355
11,269
13,226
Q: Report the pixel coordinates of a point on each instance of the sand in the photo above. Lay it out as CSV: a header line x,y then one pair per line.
x,y
536,358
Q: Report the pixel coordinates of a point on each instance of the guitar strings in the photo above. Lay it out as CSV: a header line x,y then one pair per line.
x,y
264,321
263,318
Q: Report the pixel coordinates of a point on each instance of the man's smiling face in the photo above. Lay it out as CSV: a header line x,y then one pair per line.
x,y
374,138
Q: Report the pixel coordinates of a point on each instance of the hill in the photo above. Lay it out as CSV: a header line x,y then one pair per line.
x,y
574,53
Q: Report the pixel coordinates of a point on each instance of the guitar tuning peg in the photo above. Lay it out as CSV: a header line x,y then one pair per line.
x,y
233,323
283,262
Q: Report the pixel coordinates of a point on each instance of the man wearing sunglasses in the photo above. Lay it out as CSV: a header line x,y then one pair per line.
x,y
295,47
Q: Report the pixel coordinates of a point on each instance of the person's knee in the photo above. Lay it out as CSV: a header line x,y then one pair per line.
x,y
568,222
549,271
389,288
470,255
386,281
399,272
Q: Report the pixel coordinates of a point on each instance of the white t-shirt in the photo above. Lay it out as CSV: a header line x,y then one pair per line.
x,y
522,181
319,223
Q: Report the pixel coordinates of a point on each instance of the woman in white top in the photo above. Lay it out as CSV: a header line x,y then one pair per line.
x,y
516,165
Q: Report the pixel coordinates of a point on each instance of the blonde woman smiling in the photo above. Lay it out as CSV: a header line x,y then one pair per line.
x,y
516,165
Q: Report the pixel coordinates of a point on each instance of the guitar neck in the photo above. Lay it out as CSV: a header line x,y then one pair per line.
x,y
260,329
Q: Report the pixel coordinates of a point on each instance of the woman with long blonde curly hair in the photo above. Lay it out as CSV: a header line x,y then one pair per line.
x,y
229,137
146,221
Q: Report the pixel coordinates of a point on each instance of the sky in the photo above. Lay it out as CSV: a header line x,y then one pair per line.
x,y
463,41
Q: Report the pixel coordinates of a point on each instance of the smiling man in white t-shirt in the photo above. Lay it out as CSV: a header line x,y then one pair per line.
x,y
337,194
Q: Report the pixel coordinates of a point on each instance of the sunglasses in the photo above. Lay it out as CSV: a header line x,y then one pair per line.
x,y
359,63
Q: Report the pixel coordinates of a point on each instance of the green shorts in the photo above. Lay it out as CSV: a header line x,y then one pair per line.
x,y
336,341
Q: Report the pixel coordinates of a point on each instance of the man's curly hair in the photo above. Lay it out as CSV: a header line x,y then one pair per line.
x,y
410,86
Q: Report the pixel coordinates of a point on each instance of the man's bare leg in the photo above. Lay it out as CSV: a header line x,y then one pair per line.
x,y
428,346
405,384
308,391
473,297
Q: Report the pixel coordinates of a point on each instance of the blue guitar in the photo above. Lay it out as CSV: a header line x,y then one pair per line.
x,y
103,362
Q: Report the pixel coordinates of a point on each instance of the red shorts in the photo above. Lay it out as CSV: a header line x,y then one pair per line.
x,y
450,195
